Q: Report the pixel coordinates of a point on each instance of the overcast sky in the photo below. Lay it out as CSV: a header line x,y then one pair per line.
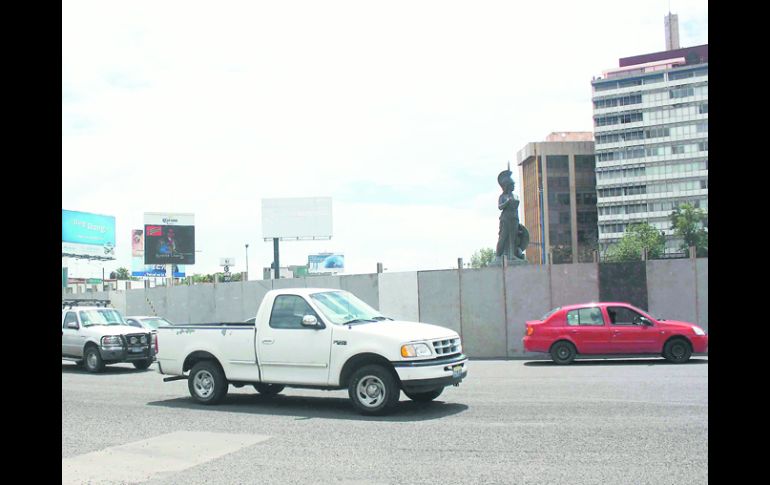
x,y
402,112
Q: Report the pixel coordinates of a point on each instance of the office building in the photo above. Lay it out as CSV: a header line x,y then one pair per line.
x,y
558,196
651,140
672,31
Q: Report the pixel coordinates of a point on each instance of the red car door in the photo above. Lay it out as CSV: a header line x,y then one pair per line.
x,y
588,329
627,333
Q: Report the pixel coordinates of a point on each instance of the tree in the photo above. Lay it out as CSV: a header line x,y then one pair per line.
x,y
123,274
638,236
690,223
482,258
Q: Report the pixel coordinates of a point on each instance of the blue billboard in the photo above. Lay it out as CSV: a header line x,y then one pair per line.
x,y
138,268
325,263
87,235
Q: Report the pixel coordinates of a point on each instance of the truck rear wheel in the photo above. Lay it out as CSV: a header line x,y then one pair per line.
x,y
207,382
268,389
373,390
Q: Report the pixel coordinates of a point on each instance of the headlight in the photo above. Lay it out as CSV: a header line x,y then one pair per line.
x,y
698,330
112,341
415,350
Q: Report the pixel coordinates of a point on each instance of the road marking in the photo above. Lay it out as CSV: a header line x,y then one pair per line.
x,y
142,460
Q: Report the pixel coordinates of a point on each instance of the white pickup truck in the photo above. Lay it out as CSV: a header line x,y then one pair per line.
x,y
319,339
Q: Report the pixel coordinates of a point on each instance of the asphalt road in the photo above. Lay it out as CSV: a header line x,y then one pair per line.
x,y
635,421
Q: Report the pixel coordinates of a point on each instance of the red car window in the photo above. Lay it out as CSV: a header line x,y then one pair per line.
x,y
620,315
585,316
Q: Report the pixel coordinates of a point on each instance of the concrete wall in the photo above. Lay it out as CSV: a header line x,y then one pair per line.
x,y
527,297
702,295
364,286
482,312
671,290
573,283
487,307
398,296
438,294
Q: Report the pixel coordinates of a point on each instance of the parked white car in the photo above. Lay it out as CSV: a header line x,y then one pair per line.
x,y
94,335
148,322
319,339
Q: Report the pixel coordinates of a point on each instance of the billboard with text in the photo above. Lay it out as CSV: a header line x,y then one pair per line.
x,y
87,235
169,238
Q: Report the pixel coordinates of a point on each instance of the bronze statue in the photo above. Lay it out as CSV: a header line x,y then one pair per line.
x,y
513,238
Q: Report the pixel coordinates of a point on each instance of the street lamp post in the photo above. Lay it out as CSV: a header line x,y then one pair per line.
x,y
247,261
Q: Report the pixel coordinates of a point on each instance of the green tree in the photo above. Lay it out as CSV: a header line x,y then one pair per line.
x,y
482,258
123,274
203,278
638,236
689,223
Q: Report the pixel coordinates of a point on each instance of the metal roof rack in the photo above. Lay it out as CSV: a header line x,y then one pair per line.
x,y
84,302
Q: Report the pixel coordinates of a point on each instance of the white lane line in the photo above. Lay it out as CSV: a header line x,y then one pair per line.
x,y
142,460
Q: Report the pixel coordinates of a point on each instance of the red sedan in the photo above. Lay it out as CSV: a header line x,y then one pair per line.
x,y
611,328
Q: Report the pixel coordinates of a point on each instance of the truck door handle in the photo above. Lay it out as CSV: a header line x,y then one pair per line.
x,y
268,341
573,331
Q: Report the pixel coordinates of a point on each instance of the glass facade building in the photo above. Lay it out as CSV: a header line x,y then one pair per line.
x,y
559,199
651,141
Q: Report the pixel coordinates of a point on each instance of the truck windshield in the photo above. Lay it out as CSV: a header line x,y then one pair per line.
x,y
101,317
341,308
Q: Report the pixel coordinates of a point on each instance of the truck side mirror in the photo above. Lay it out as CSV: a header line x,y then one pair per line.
x,y
310,321
73,325
645,322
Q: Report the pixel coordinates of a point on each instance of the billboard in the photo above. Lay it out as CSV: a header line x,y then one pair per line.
x,y
169,238
87,235
138,268
137,243
297,218
325,263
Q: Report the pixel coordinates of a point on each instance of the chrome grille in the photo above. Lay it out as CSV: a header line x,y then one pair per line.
x,y
446,346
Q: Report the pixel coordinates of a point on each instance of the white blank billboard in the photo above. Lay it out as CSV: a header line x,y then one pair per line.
x,y
297,218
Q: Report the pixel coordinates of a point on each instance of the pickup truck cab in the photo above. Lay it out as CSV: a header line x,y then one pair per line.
x,y
315,338
95,336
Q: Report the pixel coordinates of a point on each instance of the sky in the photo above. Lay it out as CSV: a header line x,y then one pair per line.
x,y
403,112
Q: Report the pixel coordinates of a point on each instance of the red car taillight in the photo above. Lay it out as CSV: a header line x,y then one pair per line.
x,y
530,330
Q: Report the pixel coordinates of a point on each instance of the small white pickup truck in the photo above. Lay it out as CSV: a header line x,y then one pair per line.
x,y
319,339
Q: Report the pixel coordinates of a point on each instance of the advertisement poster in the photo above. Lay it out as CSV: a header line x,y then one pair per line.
x,y
137,243
169,239
325,263
138,268
87,235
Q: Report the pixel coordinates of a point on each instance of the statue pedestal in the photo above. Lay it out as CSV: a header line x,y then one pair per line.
x,y
498,261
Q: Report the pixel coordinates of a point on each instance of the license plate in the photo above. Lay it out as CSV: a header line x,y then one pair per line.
x,y
139,349
457,371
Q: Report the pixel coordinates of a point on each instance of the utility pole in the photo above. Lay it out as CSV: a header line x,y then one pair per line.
x,y
275,259
247,262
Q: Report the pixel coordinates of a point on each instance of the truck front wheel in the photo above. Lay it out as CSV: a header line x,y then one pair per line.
x,y
93,359
373,390
207,382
